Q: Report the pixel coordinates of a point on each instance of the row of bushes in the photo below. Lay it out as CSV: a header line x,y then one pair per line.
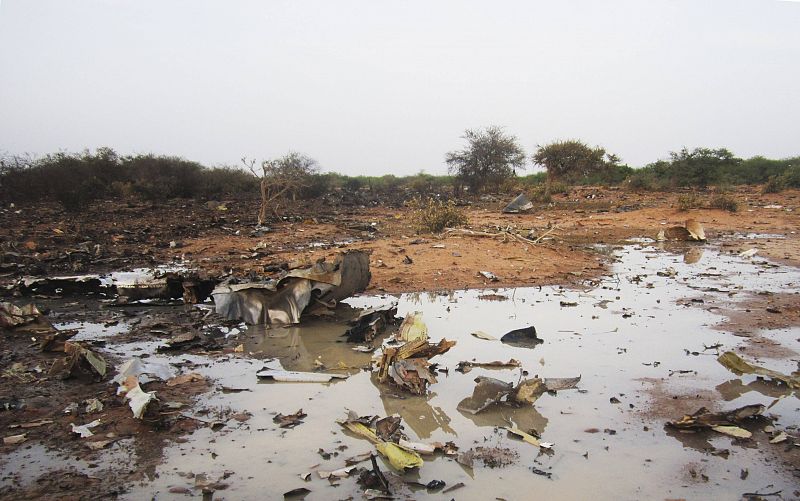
x,y
703,167
75,179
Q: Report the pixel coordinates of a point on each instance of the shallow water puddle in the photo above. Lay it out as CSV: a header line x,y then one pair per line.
x,y
631,338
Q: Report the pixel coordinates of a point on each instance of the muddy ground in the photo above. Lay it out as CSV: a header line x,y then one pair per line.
x,y
591,243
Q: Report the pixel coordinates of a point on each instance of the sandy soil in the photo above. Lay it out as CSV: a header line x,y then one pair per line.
x,y
574,233
44,239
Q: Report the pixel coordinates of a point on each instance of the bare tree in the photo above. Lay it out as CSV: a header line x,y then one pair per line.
x,y
280,178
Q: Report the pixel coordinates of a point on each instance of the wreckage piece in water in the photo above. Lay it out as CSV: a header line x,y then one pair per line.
x,y
522,338
283,376
371,323
283,301
692,232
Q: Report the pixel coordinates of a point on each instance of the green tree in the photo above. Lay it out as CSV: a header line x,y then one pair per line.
x,y
491,157
571,160
701,166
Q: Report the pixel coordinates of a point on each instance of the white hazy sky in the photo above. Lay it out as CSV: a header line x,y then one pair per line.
x,y
374,87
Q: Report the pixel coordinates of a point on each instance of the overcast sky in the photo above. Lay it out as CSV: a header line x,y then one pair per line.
x,y
375,87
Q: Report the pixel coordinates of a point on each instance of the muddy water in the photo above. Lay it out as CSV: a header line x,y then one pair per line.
x,y
627,337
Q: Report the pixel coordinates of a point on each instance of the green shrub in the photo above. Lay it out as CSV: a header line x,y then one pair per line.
x,y
689,201
725,202
79,195
434,215
540,194
791,176
775,184
557,187
642,181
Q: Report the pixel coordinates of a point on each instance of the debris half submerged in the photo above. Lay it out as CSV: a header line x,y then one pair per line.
x,y
283,301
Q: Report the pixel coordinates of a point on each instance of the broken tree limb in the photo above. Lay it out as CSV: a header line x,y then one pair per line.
x,y
504,234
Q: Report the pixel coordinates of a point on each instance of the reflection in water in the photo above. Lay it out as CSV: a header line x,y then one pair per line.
x,y
423,298
304,348
733,389
697,441
692,252
416,411
693,255
525,418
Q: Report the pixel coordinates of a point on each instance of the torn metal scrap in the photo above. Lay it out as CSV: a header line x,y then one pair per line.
x,y
408,365
527,437
412,328
466,366
487,392
190,339
722,422
389,429
289,420
63,286
692,232
298,377
143,370
85,430
488,275
80,360
399,457
519,204
138,399
370,323
374,478
283,301
14,316
54,341
522,338
490,391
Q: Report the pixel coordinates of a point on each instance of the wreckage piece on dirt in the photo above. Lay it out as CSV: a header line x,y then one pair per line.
x,y
283,301
692,232
371,323
519,204
54,341
80,361
490,391
130,286
735,364
12,316
143,371
522,338
722,422
137,398
63,286
29,320
166,285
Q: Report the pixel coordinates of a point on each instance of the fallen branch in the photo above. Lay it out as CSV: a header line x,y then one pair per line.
x,y
504,234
